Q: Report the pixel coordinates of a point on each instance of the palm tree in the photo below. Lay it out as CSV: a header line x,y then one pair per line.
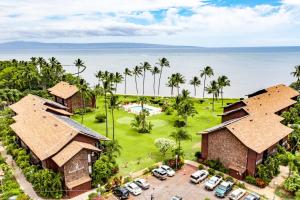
x,y
195,82
99,76
172,83
137,71
154,71
213,89
180,135
206,72
127,72
223,81
112,148
179,79
186,109
79,64
114,104
107,87
296,73
118,78
85,94
162,63
145,67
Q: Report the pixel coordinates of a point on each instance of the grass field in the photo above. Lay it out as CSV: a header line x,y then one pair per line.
x,y
138,150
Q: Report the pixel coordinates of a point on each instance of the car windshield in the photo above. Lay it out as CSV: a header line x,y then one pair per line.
x,y
195,176
222,187
250,197
133,186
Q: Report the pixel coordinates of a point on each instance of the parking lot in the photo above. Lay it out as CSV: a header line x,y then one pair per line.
x,y
178,185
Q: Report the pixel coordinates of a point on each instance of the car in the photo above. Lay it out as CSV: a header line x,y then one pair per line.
x,y
159,173
142,183
176,198
169,170
237,194
252,196
198,176
213,182
133,188
224,188
121,193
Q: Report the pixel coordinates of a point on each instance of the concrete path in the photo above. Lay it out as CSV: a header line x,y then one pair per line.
x,y
17,172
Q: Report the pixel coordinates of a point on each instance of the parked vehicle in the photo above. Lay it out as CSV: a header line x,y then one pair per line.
x,y
133,188
159,173
121,193
213,182
224,188
169,170
199,176
252,196
176,198
237,194
142,183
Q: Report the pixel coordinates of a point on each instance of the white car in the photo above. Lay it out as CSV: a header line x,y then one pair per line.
x,y
199,176
168,169
142,183
133,188
237,194
213,182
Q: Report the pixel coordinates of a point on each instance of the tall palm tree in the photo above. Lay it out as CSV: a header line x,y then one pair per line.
x,y
137,71
296,73
223,81
195,82
155,71
180,135
80,66
206,72
107,87
118,78
171,83
145,66
213,89
127,72
85,94
112,148
186,109
163,62
99,76
179,79
114,104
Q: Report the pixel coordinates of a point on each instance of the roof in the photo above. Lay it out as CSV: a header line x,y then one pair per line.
x,y
42,131
63,90
262,127
70,151
77,182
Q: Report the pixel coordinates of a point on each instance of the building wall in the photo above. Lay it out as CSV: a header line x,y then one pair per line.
x,y
234,115
76,102
79,189
85,139
234,106
223,145
251,162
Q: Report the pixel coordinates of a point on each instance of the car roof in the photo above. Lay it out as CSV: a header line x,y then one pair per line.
x,y
225,183
236,191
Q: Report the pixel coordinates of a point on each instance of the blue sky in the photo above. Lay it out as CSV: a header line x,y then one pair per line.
x,y
181,22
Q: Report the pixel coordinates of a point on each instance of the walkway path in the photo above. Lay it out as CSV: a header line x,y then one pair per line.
x,y
24,184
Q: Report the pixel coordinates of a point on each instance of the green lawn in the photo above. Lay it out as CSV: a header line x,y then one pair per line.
x,y
140,147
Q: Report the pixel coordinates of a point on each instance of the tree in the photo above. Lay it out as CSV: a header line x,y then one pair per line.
x,y
114,104
213,89
195,82
186,109
164,145
180,135
223,81
171,83
296,73
206,72
118,78
155,71
103,169
112,149
137,71
85,94
179,79
163,63
80,66
292,183
145,66
140,124
127,72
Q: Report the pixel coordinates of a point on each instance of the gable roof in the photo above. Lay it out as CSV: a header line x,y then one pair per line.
x,y
63,90
43,132
261,128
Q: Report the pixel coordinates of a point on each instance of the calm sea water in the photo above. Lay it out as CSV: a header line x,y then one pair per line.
x,y
248,70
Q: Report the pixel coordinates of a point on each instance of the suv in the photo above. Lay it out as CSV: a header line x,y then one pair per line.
x,y
199,176
224,188
169,170
159,173
142,183
133,188
237,194
213,182
121,193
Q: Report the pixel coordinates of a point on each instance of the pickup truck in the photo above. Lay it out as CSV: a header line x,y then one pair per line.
x,y
223,189
213,182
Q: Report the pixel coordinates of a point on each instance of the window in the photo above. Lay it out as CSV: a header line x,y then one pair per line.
x,y
89,158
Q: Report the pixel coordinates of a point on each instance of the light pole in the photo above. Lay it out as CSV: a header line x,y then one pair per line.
x,y
275,186
99,191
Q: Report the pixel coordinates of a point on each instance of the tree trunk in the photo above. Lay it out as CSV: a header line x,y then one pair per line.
x,y
116,88
125,84
178,90
136,87
172,91
204,86
213,103
154,85
113,122
82,108
222,96
159,80
106,120
195,92
144,82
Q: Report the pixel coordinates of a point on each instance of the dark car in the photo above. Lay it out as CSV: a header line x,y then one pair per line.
x,y
121,193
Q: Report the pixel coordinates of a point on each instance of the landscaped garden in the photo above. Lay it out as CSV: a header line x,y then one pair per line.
x,y
138,149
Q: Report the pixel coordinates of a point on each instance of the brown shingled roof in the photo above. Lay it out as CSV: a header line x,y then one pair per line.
x,y
63,90
262,128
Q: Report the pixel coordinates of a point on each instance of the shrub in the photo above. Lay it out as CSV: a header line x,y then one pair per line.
x,y
198,155
152,167
240,185
100,118
201,101
220,174
169,111
217,165
211,171
179,123
229,178
261,183
200,167
127,179
250,180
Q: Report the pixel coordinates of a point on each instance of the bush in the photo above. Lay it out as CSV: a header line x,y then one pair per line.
x,y
211,171
201,101
240,185
260,183
220,174
217,165
250,180
229,178
100,118
152,167
127,179
179,123
198,155
200,167
169,111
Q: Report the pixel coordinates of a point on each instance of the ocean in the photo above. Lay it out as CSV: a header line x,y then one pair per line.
x,y
249,69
